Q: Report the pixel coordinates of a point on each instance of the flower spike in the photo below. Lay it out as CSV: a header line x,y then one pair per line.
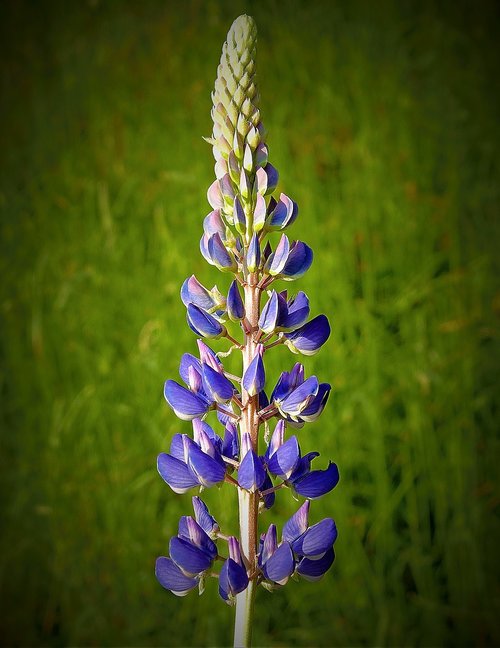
x,y
228,412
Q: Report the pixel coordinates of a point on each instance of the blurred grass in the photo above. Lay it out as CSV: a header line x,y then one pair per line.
x,y
383,122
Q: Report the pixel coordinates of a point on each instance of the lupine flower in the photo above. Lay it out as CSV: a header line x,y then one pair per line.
x,y
251,473
193,292
254,377
235,241
272,313
173,578
282,213
186,404
276,561
298,262
203,517
312,546
204,324
188,465
253,254
235,306
286,462
233,577
309,338
299,400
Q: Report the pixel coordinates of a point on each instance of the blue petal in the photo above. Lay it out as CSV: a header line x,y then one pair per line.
x,y
316,540
253,254
208,356
233,579
213,224
269,545
170,577
251,473
317,405
299,260
200,426
203,517
263,400
175,473
270,497
313,570
269,317
177,448
191,559
280,565
254,378
283,462
190,530
204,324
193,292
188,361
303,466
309,338
317,482
272,178
277,261
300,397
283,214
231,445
219,255
216,385
282,388
297,524
185,404
298,311
208,470
235,306
239,213
276,439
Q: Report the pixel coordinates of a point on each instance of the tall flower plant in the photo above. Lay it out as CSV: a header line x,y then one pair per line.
x,y
253,316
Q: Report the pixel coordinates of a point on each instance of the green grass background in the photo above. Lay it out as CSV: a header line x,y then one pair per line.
x,y
383,122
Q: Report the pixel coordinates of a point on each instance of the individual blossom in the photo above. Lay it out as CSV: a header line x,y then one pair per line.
x,y
192,552
233,577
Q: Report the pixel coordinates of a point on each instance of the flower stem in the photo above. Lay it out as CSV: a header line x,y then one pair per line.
x,y
248,502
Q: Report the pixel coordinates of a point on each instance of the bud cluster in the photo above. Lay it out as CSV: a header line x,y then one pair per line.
x,y
235,240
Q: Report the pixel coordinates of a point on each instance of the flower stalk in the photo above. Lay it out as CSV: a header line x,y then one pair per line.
x,y
244,212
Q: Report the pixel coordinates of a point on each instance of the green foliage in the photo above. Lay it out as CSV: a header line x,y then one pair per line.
x,y
383,121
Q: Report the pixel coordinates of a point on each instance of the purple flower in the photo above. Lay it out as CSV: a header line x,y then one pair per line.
x,y
204,324
203,517
299,261
285,461
316,483
297,311
276,561
217,387
253,254
233,577
309,338
312,546
272,313
299,400
188,465
251,473
235,306
254,377
193,292
283,213
278,259
186,404
172,578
